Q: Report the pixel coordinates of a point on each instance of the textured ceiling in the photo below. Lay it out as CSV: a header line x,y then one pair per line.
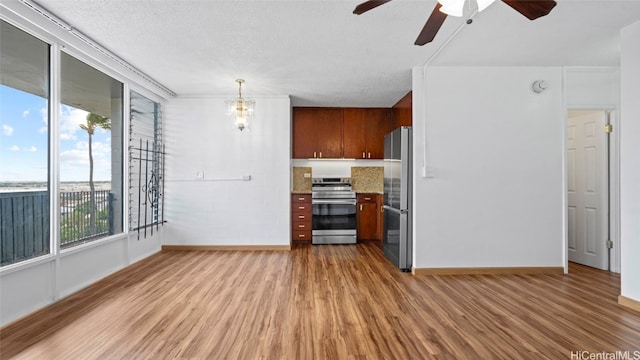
x,y
321,54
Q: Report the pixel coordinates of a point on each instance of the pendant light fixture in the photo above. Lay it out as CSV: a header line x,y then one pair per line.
x,y
240,110
455,7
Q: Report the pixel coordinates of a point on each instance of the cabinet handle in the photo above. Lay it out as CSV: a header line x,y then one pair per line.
x,y
360,207
367,198
300,235
381,209
369,155
301,226
314,155
300,216
301,207
363,155
301,199
321,154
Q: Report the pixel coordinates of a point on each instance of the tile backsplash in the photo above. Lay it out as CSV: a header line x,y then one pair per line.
x,y
367,176
334,168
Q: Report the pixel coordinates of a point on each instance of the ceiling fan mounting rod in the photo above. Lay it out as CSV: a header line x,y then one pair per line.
x,y
446,42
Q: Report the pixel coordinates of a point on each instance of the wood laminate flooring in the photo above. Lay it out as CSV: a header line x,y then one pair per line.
x,y
324,302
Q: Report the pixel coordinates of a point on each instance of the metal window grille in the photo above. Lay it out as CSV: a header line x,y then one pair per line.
x,y
146,166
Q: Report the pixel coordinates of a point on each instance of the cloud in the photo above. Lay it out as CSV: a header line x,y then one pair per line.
x,y
80,155
75,157
26,113
29,149
7,130
44,114
70,122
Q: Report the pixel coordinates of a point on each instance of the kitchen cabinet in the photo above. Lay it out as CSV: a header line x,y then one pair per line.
x,y
369,217
301,218
364,130
317,133
403,112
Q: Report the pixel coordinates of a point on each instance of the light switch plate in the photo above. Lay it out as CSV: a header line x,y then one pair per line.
x,y
307,175
429,172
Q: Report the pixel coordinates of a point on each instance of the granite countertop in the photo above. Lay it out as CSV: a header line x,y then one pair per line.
x,y
367,179
301,177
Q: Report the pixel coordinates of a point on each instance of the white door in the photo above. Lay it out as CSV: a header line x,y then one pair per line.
x,y
587,188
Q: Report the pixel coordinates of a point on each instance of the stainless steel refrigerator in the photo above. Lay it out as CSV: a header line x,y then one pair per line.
x,y
397,238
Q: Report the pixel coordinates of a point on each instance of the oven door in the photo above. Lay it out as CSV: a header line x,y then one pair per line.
x,y
334,221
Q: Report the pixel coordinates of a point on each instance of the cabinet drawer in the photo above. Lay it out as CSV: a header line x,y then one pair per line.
x,y
367,198
298,198
301,216
301,207
301,235
301,225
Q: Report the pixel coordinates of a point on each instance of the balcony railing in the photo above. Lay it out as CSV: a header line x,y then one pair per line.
x,y
24,220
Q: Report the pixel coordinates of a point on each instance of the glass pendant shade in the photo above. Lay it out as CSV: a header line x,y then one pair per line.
x,y
456,7
483,4
241,110
452,7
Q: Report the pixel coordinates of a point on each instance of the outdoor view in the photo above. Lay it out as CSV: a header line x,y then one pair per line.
x,y
89,160
24,151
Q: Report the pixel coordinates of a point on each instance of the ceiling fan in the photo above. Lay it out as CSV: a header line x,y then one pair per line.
x,y
532,9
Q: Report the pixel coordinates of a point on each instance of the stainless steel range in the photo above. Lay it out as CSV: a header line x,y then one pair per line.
x,y
334,211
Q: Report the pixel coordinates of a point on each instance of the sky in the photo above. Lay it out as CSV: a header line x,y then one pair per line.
x,y
24,145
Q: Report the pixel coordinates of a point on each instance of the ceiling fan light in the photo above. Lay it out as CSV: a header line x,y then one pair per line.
x,y
483,4
452,7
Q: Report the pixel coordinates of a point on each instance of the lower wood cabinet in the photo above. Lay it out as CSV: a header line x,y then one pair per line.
x,y
301,218
369,217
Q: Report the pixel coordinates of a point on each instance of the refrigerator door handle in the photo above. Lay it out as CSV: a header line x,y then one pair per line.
x,y
394,210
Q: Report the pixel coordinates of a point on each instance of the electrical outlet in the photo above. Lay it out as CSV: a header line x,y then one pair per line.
x,y
429,172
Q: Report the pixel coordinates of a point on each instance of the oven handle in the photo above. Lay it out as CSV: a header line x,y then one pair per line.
x,y
334,201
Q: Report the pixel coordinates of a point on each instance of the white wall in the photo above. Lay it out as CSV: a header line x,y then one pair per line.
x,y
630,161
496,148
31,285
221,209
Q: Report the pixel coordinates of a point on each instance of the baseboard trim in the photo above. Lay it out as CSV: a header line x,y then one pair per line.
x,y
629,303
226,247
487,271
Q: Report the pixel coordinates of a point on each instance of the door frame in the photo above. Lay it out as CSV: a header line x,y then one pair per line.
x,y
582,99
614,183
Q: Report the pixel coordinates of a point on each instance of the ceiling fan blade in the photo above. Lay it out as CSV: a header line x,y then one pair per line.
x,y
532,9
432,26
368,5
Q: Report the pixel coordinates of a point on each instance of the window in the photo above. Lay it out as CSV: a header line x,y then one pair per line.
x,y
24,143
90,153
146,166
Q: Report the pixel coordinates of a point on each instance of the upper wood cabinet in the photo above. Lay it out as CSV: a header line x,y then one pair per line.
x,y
317,132
364,131
336,133
403,112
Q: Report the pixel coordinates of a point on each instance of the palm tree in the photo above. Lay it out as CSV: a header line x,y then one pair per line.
x,y
94,121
